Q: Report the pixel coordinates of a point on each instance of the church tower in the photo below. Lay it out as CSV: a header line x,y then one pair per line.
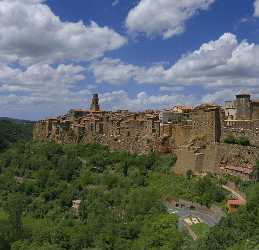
x,y
95,103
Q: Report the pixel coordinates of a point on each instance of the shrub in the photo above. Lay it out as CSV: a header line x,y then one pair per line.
x,y
244,141
230,140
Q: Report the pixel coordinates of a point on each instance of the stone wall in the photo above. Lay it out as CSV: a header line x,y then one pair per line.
x,y
220,158
206,123
251,134
196,145
181,134
132,133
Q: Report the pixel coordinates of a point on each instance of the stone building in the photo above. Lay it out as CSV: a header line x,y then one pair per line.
x,y
242,109
178,114
242,119
206,123
230,110
195,136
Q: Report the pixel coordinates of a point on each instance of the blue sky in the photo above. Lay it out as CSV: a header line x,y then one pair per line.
x,y
137,54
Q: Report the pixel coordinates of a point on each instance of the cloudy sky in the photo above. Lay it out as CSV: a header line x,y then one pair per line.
x,y
137,54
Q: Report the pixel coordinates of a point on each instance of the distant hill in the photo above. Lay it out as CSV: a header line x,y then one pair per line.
x,y
13,130
18,121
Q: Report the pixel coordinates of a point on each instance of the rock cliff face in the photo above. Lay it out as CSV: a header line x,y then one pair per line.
x,y
220,158
196,142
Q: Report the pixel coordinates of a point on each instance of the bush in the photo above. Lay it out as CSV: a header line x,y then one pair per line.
x,y
230,140
244,141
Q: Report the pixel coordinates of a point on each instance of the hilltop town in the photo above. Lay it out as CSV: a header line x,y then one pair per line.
x,y
197,136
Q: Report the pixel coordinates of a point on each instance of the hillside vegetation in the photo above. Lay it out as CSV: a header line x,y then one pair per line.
x,y
12,131
121,198
239,231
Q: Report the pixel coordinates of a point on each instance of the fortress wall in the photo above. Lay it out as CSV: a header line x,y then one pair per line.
x,y
255,114
206,124
240,156
196,146
40,131
197,160
234,159
186,160
211,158
251,134
181,134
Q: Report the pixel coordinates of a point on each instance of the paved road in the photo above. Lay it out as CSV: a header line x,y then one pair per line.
x,y
185,212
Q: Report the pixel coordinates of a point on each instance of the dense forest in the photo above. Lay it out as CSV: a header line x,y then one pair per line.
x,y
12,131
121,198
122,201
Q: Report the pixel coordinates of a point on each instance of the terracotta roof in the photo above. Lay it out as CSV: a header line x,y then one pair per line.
x,y
235,202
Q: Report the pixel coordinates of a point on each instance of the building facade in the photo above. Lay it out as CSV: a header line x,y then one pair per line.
x,y
195,136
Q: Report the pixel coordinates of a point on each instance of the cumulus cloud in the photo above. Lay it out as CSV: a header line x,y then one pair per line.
x,y
30,33
39,77
112,71
121,100
224,62
163,17
116,72
41,85
40,56
256,5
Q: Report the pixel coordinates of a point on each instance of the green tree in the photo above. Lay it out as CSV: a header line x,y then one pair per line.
x,y
14,208
160,232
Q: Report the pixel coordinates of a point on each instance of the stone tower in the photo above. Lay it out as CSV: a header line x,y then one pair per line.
x,y
243,106
95,103
206,121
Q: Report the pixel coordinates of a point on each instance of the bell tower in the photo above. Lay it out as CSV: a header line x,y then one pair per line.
x,y
95,103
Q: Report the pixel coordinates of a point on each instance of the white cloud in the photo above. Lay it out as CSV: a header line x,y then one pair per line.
x,y
121,100
30,33
112,71
219,96
40,77
39,54
256,5
163,17
41,85
221,63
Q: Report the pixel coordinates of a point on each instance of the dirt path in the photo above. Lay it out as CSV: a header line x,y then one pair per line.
x,y
237,194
